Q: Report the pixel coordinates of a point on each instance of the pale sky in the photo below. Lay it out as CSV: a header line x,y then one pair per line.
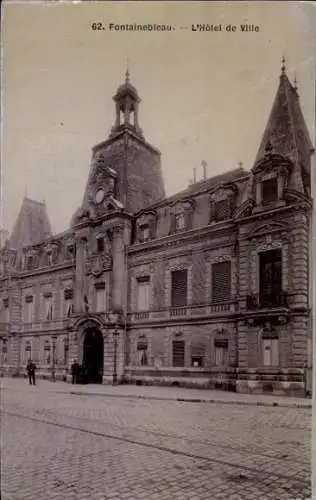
x,y
205,95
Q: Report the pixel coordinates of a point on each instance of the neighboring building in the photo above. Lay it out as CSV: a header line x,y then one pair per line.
x,y
208,287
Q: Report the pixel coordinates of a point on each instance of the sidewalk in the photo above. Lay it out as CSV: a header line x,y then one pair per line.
x,y
158,393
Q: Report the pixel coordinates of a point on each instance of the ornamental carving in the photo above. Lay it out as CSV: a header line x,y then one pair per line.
x,y
97,264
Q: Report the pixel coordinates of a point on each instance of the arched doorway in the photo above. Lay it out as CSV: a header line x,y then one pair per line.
x,y
93,356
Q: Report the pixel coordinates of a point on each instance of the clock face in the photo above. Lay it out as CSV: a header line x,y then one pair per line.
x,y
99,195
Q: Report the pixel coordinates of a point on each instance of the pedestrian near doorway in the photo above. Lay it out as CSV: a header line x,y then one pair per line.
x,y
30,368
75,372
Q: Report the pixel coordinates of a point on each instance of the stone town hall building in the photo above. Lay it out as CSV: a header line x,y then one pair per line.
x,y
208,287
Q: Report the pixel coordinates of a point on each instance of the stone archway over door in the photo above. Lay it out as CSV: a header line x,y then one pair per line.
x,y
93,355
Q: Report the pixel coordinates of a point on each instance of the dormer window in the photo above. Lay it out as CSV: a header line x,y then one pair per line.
x,y
180,221
269,191
222,210
146,227
71,251
29,261
144,232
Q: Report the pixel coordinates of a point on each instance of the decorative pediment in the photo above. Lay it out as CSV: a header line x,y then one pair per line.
x,y
264,229
271,161
223,191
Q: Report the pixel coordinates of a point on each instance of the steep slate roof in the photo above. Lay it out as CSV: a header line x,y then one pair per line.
x,y
32,225
208,184
286,130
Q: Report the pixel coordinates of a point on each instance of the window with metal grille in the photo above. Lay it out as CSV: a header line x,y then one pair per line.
x,y
269,190
221,281
270,263
178,353
222,210
179,288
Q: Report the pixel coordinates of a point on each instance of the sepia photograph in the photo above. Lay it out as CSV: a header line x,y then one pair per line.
x,y
157,250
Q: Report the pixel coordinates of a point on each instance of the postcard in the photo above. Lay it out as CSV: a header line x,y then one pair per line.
x,y
157,250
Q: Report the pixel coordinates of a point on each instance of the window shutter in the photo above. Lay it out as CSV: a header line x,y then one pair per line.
x,y
221,281
178,353
179,288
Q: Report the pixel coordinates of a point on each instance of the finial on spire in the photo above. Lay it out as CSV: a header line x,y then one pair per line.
x,y
295,82
127,71
283,67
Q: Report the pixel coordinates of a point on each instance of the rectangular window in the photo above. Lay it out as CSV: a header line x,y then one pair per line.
x,y
221,352
270,352
68,300
28,309
47,306
197,361
179,288
144,232
100,245
180,221
178,353
222,210
221,281
270,275
269,191
100,297
6,310
143,290
142,357
29,261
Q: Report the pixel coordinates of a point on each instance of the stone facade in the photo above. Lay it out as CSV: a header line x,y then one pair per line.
x,y
209,287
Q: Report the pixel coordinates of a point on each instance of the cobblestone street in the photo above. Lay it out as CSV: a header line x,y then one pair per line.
x,y
61,445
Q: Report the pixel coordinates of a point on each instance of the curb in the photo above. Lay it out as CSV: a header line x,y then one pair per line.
x,y
274,404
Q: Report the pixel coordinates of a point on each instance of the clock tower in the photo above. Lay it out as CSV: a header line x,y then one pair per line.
x,y
125,169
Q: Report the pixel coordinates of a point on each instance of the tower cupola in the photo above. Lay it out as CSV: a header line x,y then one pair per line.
x,y
126,107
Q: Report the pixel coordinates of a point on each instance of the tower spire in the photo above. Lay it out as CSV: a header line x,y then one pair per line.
x,y
283,67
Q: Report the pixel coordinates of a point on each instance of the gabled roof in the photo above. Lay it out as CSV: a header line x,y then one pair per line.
x,y
286,131
32,225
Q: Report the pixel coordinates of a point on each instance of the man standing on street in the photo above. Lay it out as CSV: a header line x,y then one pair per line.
x,y
74,372
30,368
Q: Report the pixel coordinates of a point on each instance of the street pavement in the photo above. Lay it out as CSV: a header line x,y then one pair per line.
x,y
60,441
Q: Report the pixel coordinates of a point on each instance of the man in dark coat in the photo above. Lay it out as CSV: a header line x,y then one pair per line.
x,y
75,372
30,368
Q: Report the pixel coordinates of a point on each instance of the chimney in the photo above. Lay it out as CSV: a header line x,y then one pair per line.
x,y
203,163
194,175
